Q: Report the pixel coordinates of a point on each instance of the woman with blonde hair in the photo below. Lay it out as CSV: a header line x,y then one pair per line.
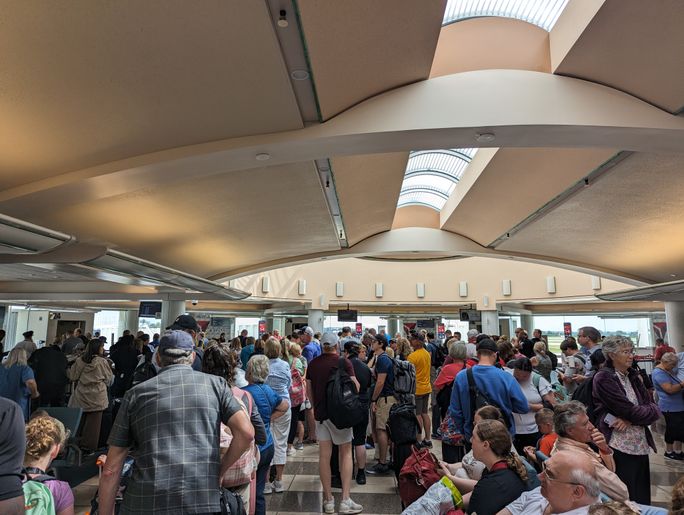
x,y
403,348
541,361
505,477
279,379
17,381
45,436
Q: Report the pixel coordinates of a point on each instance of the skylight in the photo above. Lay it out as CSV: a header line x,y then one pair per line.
x,y
543,13
431,176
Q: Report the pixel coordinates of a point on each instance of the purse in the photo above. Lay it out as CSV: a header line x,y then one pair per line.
x,y
240,472
231,503
451,435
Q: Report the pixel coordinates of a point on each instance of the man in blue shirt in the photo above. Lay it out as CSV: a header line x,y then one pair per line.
x,y
499,387
310,347
382,399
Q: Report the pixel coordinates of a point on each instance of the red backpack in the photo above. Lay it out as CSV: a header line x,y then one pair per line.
x,y
297,390
420,471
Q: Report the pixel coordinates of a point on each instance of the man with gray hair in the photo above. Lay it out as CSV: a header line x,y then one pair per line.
x,y
318,374
471,346
171,425
575,432
568,486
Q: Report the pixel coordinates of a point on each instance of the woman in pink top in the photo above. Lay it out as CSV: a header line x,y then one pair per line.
x,y
45,437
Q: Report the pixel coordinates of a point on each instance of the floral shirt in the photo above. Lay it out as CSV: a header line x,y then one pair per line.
x,y
633,439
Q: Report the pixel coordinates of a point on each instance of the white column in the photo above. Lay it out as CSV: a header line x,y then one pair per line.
x,y
316,319
527,322
171,309
490,322
674,316
128,319
393,326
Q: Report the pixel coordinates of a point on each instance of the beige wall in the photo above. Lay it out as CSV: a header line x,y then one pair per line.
x,y
491,43
483,275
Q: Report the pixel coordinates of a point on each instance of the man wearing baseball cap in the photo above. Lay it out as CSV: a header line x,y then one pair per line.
x,y
499,387
170,424
310,347
188,324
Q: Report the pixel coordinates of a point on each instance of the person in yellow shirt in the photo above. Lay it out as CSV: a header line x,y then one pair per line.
x,y
420,358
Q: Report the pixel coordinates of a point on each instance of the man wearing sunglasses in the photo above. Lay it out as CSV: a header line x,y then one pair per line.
x,y
568,487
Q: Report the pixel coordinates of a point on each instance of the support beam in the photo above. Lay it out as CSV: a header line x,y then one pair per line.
x,y
171,309
490,322
316,320
674,316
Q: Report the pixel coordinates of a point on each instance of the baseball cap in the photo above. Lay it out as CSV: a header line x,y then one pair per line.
x,y
487,344
308,331
184,322
176,339
329,339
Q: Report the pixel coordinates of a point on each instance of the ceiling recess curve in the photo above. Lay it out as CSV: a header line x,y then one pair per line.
x,y
542,13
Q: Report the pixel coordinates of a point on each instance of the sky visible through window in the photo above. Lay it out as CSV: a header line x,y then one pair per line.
x,y
543,13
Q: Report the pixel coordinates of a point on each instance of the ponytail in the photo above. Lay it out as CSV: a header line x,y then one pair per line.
x,y
516,465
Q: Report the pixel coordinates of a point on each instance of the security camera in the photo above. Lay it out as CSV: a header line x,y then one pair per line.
x,y
195,302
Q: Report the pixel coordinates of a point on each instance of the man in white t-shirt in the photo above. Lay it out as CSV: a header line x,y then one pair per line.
x,y
568,487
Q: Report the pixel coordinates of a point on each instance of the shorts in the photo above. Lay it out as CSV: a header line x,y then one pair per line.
x,y
326,431
422,403
359,431
382,411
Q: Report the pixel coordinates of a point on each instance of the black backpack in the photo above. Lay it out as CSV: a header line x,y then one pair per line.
x,y
342,399
402,424
479,399
585,395
444,398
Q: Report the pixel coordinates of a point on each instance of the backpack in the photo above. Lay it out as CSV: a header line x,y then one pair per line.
x,y
37,496
444,398
342,398
420,471
297,390
584,394
404,381
402,424
535,381
479,399
440,354
143,372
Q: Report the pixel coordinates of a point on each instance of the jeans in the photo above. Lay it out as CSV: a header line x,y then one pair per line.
x,y
262,471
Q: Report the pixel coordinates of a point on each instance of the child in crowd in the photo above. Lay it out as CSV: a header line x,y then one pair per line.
x,y
544,420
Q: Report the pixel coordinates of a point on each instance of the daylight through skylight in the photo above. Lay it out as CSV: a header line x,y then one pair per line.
x,y
431,176
543,13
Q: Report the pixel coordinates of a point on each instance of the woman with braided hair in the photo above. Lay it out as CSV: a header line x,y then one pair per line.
x,y
505,477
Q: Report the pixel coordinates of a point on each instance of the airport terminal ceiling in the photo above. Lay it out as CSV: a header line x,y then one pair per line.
x,y
166,149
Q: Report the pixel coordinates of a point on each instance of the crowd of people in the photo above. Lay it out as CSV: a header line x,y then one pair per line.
x,y
521,430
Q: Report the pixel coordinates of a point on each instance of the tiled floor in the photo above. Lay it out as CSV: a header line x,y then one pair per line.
x,y
303,492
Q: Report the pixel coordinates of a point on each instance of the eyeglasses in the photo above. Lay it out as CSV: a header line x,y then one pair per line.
x,y
545,473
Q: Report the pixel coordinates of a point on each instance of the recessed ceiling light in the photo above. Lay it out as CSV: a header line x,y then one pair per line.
x,y
282,19
299,75
263,156
485,137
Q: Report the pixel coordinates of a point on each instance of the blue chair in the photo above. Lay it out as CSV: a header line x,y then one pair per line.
x,y
71,418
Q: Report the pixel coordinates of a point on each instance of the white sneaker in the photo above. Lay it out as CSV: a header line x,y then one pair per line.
x,y
329,506
278,486
291,451
349,506
268,488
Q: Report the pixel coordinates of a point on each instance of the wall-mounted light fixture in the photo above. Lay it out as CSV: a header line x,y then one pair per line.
x,y
301,287
379,290
506,287
339,289
420,290
463,289
265,284
550,284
